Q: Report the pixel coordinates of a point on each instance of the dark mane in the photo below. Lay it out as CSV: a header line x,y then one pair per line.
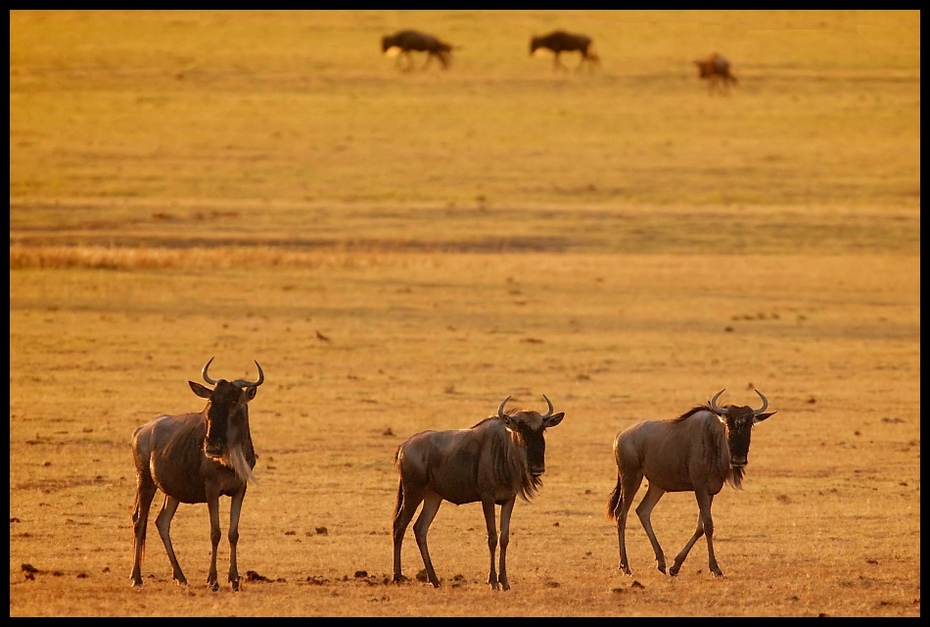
x,y
690,413
484,421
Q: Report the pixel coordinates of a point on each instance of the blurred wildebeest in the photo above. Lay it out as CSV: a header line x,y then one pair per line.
x,y
716,70
560,41
407,41
196,458
493,462
698,452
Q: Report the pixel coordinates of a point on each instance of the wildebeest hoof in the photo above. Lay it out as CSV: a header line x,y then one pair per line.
x,y
399,579
213,586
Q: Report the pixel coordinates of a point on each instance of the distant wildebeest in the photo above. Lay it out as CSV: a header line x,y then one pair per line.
x,y
560,41
698,452
408,41
716,70
493,462
196,458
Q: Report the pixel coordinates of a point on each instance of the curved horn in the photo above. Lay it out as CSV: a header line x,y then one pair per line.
x,y
713,403
549,403
765,404
500,410
203,372
261,377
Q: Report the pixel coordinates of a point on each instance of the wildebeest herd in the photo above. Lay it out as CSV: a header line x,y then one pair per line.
x,y
715,68
198,457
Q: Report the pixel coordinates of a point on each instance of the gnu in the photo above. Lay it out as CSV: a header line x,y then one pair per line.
x,y
560,41
407,41
196,458
715,69
698,452
494,461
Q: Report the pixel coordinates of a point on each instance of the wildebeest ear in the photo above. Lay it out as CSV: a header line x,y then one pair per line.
x,y
200,390
762,417
250,392
554,419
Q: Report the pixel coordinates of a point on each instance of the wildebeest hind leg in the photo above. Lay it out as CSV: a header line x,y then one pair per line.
x,y
644,511
420,528
140,520
406,507
627,486
163,523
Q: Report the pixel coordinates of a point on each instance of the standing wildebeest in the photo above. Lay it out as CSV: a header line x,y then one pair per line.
x,y
560,41
196,458
716,70
497,459
408,41
696,452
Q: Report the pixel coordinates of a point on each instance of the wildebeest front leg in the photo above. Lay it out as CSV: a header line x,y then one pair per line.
x,y
506,511
213,504
163,523
680,558
705,526
488,508
235,510
644,511
408,56
430,506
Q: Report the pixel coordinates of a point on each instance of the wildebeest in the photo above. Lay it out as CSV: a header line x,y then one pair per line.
x,y
716,70
196,458
407,41
493,462
560,41
698,452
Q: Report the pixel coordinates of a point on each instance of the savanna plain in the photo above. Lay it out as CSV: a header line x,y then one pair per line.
x,y
400,251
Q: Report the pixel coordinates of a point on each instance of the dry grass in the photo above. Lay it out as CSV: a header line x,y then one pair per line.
x,y
240,184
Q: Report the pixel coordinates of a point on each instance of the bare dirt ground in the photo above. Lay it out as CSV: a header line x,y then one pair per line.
x,y
401,251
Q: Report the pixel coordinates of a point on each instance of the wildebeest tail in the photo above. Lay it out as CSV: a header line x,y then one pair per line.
x,y
400,498
615,497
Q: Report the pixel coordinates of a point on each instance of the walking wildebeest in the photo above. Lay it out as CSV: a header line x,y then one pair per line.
x,y
560,41
493,462
698,452
408,41
196,458
716,70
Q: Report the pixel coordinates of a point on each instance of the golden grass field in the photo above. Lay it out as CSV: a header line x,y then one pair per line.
x,y
194,184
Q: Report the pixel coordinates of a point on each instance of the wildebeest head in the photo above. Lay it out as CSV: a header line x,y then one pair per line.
x,y
227,416
535,44
527,428
739,421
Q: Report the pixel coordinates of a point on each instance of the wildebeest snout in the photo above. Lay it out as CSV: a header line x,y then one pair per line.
x,y
213,448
